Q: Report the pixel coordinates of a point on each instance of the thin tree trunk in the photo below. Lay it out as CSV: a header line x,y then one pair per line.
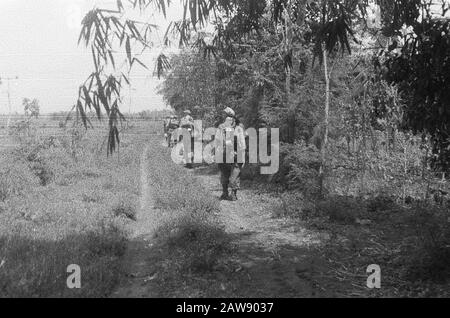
x,y
326,123
288,48
291,108
364,150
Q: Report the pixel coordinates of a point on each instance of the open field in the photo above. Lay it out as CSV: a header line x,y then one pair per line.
x,y
63,202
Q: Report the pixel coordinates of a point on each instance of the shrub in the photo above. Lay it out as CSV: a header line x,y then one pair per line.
x,y
299,168
15,178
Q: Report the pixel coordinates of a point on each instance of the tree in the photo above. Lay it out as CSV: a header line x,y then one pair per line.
x,y
418,61
106,30
325,23
190,82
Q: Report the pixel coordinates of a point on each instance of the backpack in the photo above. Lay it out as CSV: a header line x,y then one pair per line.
x,y
230,141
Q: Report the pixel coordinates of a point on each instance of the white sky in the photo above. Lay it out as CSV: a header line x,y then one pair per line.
x,y
38,43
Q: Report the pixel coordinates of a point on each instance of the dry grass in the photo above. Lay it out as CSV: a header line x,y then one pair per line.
x,y
57,209
189,238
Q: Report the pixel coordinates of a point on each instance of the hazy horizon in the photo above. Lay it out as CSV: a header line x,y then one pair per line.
x,y
39,46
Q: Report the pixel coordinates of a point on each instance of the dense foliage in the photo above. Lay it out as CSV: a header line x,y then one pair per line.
x,y
422,68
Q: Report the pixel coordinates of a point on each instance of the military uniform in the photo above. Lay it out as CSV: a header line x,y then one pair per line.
x,y
230,156
187,122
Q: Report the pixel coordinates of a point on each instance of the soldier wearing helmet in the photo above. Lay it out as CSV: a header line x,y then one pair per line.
x,y
230,151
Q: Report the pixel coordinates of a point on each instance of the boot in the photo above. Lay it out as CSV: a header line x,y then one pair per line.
x,y
233,196
225,195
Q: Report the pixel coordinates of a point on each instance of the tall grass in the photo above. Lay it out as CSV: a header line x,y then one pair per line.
x,y
189,234
57,209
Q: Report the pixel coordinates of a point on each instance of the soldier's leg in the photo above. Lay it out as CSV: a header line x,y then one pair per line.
x,y
225,171
235,180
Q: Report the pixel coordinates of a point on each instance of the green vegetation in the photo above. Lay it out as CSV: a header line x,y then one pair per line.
x,y
56,210
361,101
188,235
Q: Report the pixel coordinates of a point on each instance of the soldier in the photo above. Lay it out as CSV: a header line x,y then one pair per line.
x,y
166,124
187,121
172,127
230,147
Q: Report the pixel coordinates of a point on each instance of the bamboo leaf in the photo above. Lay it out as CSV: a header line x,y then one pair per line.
x,y
128,49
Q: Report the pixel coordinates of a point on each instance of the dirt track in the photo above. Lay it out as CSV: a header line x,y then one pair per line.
x,y
136,262
272,257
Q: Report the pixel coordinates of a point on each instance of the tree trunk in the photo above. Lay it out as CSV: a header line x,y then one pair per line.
x,y
326,123
364,146
288,37
291,108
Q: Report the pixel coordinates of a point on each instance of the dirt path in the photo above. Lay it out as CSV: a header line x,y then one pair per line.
x,y
274,257
137,260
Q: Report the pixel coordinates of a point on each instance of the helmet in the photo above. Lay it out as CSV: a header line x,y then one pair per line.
x,y
187,112
229,112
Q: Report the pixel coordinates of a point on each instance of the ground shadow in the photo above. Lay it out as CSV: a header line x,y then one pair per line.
x,y
41,268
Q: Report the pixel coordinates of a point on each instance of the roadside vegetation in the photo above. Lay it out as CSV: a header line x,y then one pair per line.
x,y
189,241
363,153
63,202
359,91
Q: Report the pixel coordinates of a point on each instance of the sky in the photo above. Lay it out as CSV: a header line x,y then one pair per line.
x,y
38,44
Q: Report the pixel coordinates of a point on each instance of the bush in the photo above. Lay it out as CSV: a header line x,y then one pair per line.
x,y
299,168
15,178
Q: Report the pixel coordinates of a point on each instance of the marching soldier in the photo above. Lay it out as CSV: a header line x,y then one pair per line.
x,y
230,153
